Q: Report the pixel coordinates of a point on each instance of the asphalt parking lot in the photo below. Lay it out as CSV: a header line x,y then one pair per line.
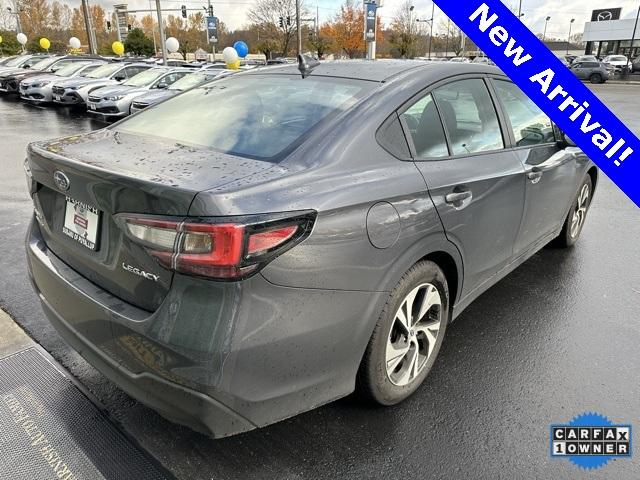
x,y
556,338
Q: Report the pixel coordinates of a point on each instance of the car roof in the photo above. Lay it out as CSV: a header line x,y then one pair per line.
x,y
376,70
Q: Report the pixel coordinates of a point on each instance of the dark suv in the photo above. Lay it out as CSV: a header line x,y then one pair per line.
x,y
595,72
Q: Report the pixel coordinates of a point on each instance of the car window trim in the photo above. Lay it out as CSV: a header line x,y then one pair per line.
x,y
512,138
429,90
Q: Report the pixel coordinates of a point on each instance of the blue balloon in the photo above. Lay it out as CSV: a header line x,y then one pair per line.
x,y
242,48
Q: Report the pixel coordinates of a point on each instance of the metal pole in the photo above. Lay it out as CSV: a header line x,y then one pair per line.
x,y
317,21
544,35
163,43
433,11
89,27
17,14
153,33
520,10
633,38
298,27
446,45
569,39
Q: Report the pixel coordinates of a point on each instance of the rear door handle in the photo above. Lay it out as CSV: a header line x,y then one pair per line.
x,y
458,197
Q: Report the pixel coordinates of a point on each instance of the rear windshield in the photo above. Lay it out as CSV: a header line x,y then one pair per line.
x,y
617,59
105,70
256,116
14,62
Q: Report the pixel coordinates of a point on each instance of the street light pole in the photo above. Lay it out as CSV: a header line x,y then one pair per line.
x,y
633,37
163,43
433,11
520,10
569,39
298,27
544,35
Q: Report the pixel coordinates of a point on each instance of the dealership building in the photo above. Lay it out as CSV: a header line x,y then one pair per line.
x,y
608,34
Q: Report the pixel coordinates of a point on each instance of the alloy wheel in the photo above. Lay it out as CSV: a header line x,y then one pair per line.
x,y
580,211
413,334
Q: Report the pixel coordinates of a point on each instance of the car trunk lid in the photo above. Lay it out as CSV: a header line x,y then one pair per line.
x,y
109,173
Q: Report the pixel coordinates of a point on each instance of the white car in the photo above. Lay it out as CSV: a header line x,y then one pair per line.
x,y
38,89
618,62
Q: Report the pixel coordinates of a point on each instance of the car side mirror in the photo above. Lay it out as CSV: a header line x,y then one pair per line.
x,y
162,86
26,66
119,78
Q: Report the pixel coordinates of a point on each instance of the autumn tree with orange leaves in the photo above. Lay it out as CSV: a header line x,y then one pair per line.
x,y
345,32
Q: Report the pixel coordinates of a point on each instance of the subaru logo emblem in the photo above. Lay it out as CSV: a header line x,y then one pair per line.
x,y
61,180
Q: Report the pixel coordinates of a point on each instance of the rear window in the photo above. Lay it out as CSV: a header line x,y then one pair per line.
x,y
255,116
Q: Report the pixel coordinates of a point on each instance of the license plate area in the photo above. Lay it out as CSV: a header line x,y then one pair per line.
x,y
81,223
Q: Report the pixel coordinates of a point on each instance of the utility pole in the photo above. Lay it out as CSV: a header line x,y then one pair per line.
x,y
520,10
569,39
17,15
153,33
633,38
298,27
163,43
90,32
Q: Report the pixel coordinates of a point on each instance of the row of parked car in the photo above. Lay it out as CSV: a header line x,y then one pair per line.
x,y
105,87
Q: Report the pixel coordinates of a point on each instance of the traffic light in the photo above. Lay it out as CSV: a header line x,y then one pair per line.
x,y
288,21
108,26
211,10
129,27
183,9
281,22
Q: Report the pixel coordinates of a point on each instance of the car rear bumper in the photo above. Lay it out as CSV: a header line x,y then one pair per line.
x,y
221,358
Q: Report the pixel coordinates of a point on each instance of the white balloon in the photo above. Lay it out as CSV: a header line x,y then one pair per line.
x,y
22,38
230,55
172,44
74,42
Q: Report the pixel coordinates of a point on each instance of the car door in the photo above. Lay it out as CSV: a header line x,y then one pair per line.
x,y
579,71
475,183
550,170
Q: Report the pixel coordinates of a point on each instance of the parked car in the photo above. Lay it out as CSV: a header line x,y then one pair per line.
x,y
268,242
4,60
635,66
10,82
21,62
39,88
618,62
483,61
185,83
74,92
115,101
585,58
460,60
595,72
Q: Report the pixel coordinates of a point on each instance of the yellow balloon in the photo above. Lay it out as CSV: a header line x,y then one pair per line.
x,y
234,65
0,38
45,43
118,48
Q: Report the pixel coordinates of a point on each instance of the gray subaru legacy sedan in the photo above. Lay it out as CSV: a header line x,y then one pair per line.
x,y
269,242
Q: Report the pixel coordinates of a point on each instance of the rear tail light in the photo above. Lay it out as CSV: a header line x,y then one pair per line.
x,y
230,248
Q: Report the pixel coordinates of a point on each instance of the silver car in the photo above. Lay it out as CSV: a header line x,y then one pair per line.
x,y
38,89
115,101
74,91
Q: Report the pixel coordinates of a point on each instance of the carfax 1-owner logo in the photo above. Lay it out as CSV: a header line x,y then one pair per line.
x,y
590,440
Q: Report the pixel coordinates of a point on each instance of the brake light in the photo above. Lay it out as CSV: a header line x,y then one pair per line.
x,y
224,249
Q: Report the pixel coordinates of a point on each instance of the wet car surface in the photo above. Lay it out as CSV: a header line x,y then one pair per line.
x,y
555,338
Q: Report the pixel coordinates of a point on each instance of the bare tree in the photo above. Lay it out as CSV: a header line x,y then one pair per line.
x,y
266,14
404,34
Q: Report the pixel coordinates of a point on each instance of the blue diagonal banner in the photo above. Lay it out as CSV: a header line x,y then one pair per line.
x,y
553,87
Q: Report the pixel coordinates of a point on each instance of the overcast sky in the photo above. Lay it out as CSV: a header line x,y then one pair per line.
x,y
233,13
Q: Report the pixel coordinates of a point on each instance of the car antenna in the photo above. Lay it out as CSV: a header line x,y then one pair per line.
x,y
306,64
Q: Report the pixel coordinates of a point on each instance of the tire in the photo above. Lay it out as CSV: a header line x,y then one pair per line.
x,y
596,78
570,231
422,339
